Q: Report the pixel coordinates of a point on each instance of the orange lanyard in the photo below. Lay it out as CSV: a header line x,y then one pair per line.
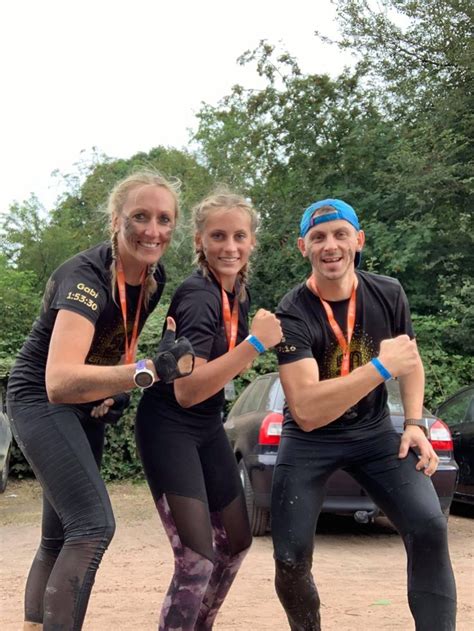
x,y
351,314
231,321
130,349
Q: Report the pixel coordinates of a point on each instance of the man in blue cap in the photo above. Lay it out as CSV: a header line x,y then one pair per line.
x,y
346,332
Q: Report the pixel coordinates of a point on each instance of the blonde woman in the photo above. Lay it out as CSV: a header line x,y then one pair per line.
x,y
187,459
79,355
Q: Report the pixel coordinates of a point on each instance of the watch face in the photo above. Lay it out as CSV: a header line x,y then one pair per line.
x,y
143,379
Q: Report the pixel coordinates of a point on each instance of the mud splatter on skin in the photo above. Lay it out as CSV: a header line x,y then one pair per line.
x,y
130,231
133,228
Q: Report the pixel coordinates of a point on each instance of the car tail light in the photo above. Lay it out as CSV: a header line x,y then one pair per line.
x,y
270,429
440,436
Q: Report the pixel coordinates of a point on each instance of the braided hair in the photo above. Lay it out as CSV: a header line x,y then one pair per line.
x,y
223,199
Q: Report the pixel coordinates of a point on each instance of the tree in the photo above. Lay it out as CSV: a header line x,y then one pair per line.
x,y
19,304
393,138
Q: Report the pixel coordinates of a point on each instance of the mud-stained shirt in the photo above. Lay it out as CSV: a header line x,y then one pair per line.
x,y
82,285
382,312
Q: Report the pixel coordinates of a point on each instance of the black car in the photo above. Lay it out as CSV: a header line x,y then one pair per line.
x,y
458,413
254,427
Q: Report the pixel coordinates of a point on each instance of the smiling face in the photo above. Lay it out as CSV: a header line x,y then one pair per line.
x,y
226,241
144,226
331,248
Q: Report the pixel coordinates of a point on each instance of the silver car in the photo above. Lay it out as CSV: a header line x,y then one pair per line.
x,y
5,438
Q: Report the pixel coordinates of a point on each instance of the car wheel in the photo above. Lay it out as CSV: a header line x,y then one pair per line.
x,y
258,516
4,473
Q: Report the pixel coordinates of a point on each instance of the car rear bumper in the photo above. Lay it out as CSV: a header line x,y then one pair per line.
x,y
348,497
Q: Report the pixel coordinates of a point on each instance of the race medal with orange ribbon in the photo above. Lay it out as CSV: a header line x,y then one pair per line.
x,y
231,325
351,314
130,348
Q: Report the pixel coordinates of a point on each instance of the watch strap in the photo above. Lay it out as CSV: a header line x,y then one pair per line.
x,y
422,423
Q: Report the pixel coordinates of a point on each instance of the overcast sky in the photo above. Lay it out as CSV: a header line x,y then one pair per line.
x,y
128,75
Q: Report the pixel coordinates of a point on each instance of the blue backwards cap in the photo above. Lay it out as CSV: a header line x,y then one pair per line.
x,y
341,211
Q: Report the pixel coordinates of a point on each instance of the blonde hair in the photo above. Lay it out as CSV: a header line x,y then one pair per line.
x,y
115,204
223,199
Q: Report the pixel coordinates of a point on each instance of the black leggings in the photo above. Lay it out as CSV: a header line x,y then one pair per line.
x,y
64,448
194,480
404,494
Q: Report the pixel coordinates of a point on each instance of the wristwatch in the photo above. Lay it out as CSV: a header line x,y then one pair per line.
x,y
143,377
422,423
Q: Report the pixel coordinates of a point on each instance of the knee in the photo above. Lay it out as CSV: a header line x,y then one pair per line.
x,y
294,582
50,548
192,567
108,529
432,534
291,571
236,557
96,527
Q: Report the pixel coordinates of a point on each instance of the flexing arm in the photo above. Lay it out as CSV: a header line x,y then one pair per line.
x,y
68,378
210,377
314,403
412,390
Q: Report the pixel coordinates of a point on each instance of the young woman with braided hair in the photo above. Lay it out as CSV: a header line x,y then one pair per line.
x,y
187,458
78,357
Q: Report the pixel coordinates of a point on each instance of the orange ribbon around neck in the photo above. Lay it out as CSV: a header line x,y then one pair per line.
x,y
351,315
130,347
231,320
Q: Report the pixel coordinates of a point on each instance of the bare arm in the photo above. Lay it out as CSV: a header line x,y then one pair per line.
x,y
68,378
314,403
210,377
412,390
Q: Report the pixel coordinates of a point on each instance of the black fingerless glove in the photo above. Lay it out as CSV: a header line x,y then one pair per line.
x,y
121,403
175,358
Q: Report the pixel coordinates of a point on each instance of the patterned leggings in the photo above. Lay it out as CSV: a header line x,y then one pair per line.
x,y
201,581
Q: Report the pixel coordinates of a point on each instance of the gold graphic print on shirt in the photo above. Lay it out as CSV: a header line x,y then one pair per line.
x,y
362,349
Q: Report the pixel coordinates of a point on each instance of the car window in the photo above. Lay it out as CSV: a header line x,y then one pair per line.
x,y
255,396
395,404
394,398
459,409
235,410
276,397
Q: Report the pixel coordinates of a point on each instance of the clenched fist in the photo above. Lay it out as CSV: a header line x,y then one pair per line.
x,y
266,327
399,355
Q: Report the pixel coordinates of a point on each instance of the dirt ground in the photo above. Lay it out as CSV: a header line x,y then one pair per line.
x,y
360,570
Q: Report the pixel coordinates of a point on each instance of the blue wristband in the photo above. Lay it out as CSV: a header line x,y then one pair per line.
x,y
256,343
381,368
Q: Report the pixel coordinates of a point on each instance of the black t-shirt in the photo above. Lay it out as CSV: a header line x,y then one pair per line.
x,y
381,312
197,310
81,284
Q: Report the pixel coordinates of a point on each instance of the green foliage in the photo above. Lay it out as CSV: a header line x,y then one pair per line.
x,y
120,454
445,371
19,304
393,137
